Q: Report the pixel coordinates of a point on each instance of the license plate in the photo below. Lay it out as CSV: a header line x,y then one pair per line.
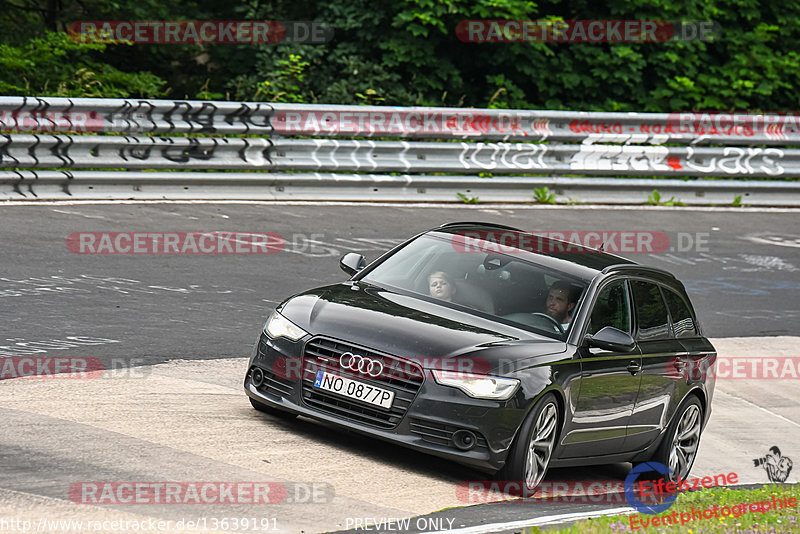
x,y
354,389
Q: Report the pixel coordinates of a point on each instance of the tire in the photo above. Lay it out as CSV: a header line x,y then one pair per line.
x,y
679,448
529,458
270,410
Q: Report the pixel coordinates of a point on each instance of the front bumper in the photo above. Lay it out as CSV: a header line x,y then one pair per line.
x,y
433,419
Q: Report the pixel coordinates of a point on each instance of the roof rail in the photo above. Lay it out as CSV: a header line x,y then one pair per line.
x,y
473,223
635,267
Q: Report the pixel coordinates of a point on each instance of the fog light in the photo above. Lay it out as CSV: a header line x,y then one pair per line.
x,y
464,439
258,377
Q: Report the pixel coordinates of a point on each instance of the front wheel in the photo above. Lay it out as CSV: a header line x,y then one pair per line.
x,y
679,448
529,457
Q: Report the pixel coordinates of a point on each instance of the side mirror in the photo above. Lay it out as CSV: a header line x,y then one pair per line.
x,y
610,338
352,262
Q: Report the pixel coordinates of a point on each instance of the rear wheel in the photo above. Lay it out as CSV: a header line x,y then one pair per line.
x,y
270,410
679,448
530,455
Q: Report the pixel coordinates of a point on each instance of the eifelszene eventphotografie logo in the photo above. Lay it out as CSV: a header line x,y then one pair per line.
x,y
655,495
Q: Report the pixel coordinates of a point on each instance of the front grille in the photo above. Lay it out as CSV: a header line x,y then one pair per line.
x,y
440,433
401,376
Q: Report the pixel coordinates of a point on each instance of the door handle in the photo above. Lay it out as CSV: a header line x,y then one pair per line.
x,y
634,367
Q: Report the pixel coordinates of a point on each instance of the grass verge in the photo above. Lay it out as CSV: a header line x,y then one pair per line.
x,y
782,519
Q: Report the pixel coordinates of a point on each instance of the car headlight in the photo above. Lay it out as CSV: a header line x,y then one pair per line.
x,y
478,386
279,326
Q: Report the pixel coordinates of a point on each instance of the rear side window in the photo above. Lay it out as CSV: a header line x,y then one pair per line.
x,y
682,320
651,313
611,308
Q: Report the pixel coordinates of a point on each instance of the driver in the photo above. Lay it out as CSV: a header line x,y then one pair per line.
x,y
560,303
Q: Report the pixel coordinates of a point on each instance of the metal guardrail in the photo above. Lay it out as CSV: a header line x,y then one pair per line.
x,y
102,185
241,136
258,118
90,151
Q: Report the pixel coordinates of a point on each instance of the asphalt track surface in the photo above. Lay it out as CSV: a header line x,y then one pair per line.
x,y
174,332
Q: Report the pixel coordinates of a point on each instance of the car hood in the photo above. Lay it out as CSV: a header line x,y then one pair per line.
x,y
414,328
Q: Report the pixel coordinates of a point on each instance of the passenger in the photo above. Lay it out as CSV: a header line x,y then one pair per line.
x,y
560,302
441,286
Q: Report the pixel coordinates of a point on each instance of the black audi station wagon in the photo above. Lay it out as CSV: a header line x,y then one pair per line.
x,y
496,348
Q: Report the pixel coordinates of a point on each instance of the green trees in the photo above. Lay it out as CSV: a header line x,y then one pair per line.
x,y
408,53
54,65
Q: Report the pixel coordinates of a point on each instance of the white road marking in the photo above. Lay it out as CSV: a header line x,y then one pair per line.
x,y
452,205
539,521
768,262
768,238
81,214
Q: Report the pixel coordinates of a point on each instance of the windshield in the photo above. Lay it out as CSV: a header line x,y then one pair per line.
x,y
507,287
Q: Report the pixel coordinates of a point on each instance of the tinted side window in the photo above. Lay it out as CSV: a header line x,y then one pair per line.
x,y
682,321
650,311
611,308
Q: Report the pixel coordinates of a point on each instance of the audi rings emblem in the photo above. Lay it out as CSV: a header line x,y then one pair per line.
x,y
361,364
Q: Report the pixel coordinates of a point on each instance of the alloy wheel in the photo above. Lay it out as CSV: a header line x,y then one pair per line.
x,y
540,447
685,442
